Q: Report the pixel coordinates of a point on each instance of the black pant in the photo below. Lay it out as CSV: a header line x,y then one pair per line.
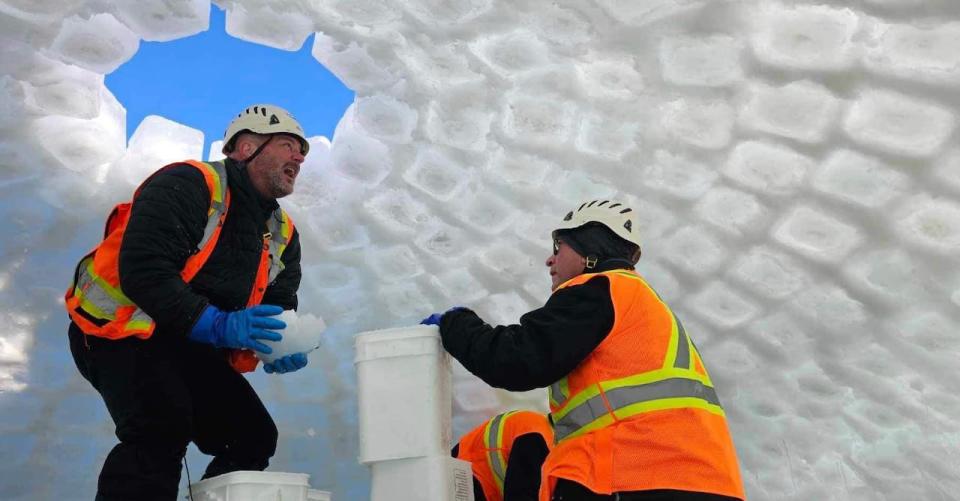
x,y
162,395
567,490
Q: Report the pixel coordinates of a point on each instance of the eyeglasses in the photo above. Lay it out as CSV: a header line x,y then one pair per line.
x,y
556,246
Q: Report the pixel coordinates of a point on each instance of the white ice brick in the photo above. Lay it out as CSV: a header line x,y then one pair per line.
x,y
808,37
331,276
698,122
816,234
895,3
458,126
694,250
502,309
404,299
436,174
536,228
40,11
768,167
833,308
511,54
769,272
649,11
352,64
319,186
443,241
560,25
518,170
366,12
578,186
925,53
931,223
361,158
164,20
13,94
803,111
860,179
505,260
398,212
458,284
651,220
393,264
929,330
706,62
338,233
486,213
659,279
678,176
947,169
614,79
77,95
536,121
896,123
606,137
782,334
722,306
100,43
731,210
385,118
265,24
891,273
443,13
438,67
732,360
157,142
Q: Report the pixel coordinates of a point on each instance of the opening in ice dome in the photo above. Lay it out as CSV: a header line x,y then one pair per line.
x,y
202,80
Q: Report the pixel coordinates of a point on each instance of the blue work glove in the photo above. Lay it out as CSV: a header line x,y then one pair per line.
x,y
435,318
286,364
239,329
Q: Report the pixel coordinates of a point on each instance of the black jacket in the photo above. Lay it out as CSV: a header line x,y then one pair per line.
x,y
545,346
167,223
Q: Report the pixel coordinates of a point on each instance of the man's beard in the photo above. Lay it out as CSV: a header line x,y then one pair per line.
x,y
278,185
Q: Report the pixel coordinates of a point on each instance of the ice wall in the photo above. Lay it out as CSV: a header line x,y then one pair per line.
x,y
794,165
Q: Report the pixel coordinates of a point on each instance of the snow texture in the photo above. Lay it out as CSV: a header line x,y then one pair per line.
x,y
793,166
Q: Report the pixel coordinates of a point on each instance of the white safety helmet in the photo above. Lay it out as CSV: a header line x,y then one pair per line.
x,y
264,119
615,216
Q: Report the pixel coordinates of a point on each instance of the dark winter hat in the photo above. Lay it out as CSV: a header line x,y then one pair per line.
x,y
598,244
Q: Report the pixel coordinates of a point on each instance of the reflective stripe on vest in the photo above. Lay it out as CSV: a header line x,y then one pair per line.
x,y
493,443
105,301
678,384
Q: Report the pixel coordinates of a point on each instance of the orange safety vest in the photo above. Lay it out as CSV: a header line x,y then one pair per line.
x,y
487,447
640,412
99,307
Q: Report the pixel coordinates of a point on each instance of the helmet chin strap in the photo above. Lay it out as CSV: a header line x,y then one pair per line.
x,y
256,152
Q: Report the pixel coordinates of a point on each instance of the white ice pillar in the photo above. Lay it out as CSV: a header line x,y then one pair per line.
x,y
404,392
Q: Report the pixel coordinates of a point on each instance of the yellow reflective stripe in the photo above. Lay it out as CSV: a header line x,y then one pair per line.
x,y
217,195
584,395
558,392
643,407
493,443
137,325
92,308
634,380
115,294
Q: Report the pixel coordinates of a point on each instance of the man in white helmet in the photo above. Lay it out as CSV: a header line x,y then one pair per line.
x,y
170,308
634,411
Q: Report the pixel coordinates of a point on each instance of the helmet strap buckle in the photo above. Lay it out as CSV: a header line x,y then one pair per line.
x,y
590,262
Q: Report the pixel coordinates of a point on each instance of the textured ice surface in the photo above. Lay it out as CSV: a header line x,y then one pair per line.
x,y
793,166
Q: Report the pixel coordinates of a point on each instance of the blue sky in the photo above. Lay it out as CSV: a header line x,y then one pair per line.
x,y
204,80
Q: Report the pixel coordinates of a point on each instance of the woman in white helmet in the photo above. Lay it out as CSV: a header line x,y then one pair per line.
x,y
634,411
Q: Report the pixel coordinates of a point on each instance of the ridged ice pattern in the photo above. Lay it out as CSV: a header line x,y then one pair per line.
x,y
793,165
